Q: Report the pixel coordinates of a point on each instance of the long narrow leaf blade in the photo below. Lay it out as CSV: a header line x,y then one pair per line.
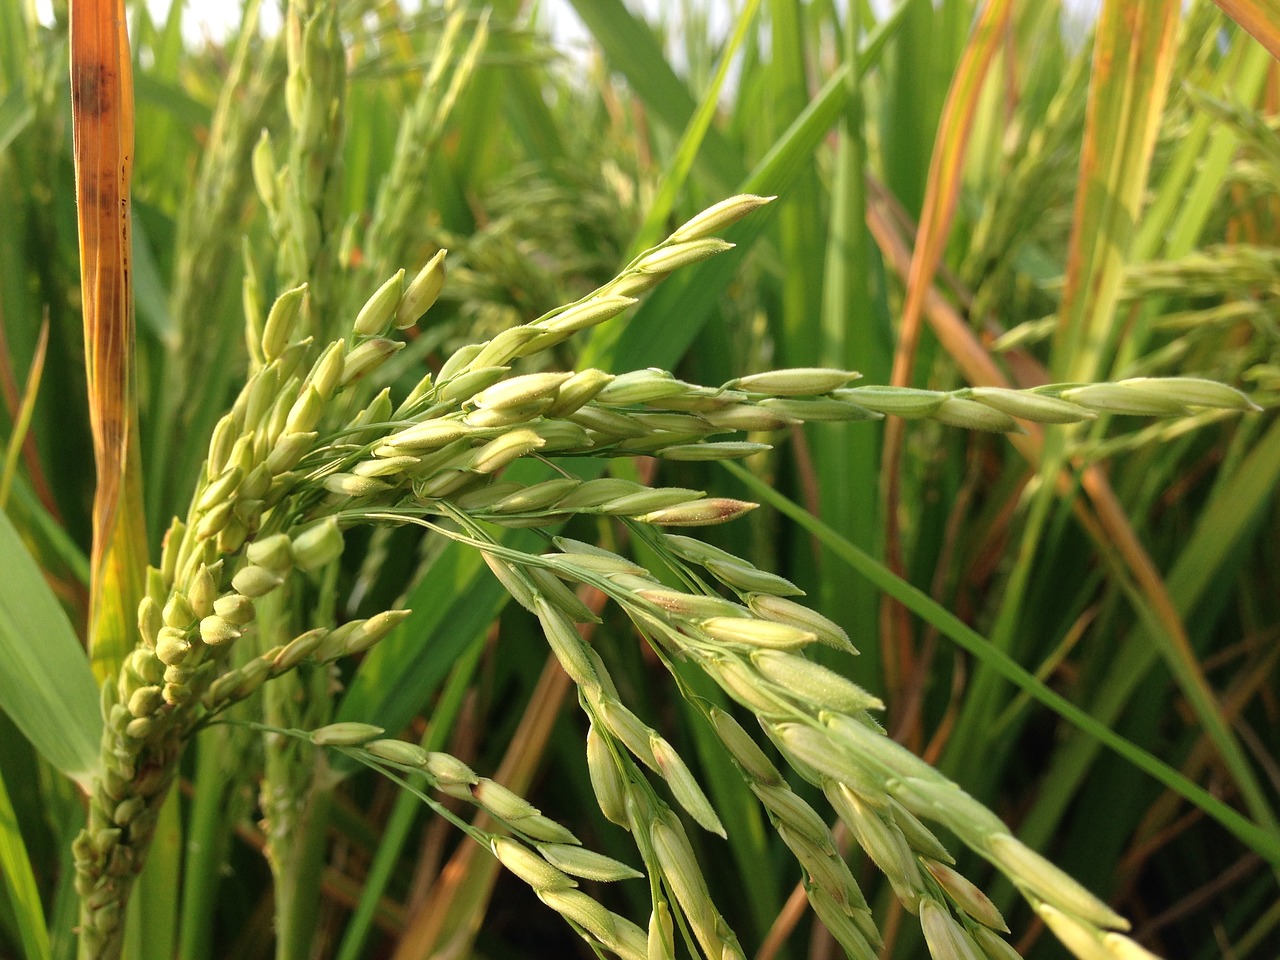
x,y
46,686
693,138
669,320
23,421
1132,61
631,48
15,114
20,883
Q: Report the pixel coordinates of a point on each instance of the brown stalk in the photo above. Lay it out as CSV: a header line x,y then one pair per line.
x,y
784,923
941,195
102,130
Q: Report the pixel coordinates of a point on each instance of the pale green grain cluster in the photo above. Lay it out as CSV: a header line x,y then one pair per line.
x,y
302,199
620,745
538,850
291,465
302,195
264,506
1042,179
208,237
1214,271
751,643
238,544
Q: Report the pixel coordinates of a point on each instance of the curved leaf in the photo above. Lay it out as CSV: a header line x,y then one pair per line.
x,y
46,686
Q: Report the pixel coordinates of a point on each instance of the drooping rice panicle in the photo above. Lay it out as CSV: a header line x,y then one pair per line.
x,y
282,481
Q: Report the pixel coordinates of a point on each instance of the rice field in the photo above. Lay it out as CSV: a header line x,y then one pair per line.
x,y
447,476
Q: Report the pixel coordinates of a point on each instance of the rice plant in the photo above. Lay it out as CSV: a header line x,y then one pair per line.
x,y
377,628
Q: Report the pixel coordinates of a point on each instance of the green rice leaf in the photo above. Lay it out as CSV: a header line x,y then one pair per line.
x,y
632,49
671,317
693,137
46,687
20,883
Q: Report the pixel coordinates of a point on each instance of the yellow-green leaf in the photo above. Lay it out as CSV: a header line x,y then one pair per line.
x,y
1132,62
1260,17
20,883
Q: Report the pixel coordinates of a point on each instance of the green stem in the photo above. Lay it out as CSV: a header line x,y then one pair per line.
x,y
295,799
